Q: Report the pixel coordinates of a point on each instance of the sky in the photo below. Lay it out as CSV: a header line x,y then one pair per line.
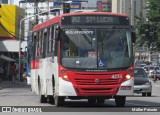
x,y
16,2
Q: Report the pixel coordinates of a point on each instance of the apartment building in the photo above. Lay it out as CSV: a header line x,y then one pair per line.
x,y
131,7
104,5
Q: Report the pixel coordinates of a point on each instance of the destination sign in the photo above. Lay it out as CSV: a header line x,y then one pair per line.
x,y
95,19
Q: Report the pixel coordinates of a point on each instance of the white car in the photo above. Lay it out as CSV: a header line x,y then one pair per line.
x,y
142,84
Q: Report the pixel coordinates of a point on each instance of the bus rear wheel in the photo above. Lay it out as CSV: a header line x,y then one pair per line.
x,y
120,101
59,101
43,99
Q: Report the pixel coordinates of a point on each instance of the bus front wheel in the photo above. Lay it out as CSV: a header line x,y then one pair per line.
x,y
120,101
59,101
50,99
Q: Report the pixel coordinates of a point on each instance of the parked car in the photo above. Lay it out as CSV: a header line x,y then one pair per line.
x,y
142,83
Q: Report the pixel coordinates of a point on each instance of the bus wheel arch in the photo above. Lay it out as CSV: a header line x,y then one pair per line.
x,y
120,101
43,99
58,100
51,97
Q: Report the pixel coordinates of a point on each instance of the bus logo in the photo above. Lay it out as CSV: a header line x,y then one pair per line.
x,y
97,81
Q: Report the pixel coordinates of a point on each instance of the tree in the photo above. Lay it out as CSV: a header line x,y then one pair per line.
x,y
153,12
149,29
153,15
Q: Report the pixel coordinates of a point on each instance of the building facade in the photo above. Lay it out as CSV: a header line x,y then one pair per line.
x,y
131,7
10,17
104,6
138,8
7,1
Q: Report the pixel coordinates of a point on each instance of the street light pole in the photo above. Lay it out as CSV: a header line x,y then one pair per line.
x,y
20,38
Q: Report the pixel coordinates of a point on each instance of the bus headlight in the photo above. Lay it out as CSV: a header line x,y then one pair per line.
x,y
128,77
65,77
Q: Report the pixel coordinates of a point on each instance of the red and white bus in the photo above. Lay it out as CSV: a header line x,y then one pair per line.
x,y
83,55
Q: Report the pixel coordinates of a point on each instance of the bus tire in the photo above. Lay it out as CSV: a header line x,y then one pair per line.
x,y
43,99
59,101
50,99
120,101
143,94
149,94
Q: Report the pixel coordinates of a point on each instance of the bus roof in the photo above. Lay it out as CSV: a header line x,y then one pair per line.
x,y
57,19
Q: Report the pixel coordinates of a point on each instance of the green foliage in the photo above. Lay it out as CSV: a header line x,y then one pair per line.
x,y
149,31
153,12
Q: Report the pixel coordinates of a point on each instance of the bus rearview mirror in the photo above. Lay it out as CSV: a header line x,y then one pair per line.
x,y
133,37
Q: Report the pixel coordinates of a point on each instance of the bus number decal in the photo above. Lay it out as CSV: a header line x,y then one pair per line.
x,y
116,76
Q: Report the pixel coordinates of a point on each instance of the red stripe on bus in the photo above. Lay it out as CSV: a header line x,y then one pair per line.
x,y
35,64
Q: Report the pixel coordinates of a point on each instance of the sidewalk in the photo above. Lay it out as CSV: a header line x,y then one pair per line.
x,y
8,84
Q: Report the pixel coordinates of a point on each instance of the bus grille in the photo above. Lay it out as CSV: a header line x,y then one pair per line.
x,y
96,91
92,81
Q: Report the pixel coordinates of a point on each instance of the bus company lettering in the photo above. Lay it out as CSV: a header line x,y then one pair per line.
x,y
99,19
76,19
93,19
78,32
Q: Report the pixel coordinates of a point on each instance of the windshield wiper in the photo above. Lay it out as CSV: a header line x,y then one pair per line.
x,y
113,27
86,38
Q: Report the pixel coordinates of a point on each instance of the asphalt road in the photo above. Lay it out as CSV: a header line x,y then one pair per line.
x,y
22,96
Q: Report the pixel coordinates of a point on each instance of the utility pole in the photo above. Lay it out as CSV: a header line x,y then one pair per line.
x,y
0,3
48,8
36,10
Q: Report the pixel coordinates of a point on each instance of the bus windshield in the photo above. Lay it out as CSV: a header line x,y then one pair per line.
x,y
96,48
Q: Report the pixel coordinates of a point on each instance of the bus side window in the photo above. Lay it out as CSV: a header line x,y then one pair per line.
x,y
38,44
43,48
41,43
56,37
33,46
52,38
47,40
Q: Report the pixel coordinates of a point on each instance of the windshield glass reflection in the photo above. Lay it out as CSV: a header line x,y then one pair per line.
x,y
99,48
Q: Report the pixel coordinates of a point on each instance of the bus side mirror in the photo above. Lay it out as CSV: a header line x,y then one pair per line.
x,y
133,37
